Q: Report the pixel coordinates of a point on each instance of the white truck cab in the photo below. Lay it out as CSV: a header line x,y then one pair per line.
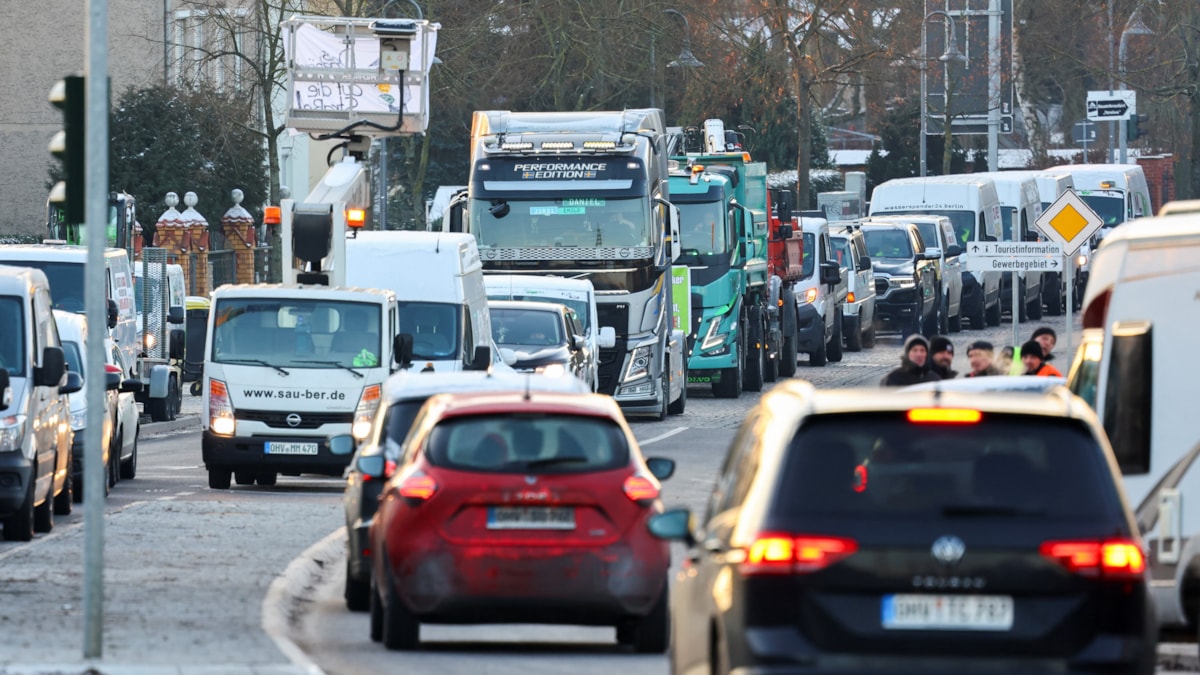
x,y
1116,192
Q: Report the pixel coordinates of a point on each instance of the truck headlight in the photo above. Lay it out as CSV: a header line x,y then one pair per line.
x,y
809,297
552,369
903,282
148,340
78,419
1081,260
714,337
220,410
368,405
639,364
12,432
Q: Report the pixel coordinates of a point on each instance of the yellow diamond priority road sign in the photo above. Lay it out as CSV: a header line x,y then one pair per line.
x,y
1069,221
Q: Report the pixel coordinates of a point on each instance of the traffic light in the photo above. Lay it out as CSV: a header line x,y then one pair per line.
x,y
68,95
1132,128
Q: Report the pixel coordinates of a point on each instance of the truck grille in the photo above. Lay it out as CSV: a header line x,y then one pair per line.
x,y
881,286
277,419
615,314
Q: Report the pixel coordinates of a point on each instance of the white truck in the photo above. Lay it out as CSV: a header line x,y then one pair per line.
x,y
1135,367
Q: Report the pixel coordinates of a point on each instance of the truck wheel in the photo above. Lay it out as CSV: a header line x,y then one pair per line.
x,y
868,339
943,322
993,314
665,403
218,478
1035,304
195,390
19,526
1054,298
790,351
63,501
680,404
43,514
129,466
753,372
159,408
854,341
243,477
956,320
730,385
834,350
818,357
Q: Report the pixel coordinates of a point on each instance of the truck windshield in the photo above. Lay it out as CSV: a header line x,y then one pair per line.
x,y
295,332
962,220
12,338
703,234
585,222
1110,209
66,282
434,327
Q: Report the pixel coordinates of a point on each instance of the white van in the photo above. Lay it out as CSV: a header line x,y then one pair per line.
x,y
1051,184
1020,207
970,202
1135,366
162,338
1116,192
35,438
578,294
437,278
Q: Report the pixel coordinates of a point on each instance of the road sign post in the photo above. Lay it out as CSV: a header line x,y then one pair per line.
x,y
1070,222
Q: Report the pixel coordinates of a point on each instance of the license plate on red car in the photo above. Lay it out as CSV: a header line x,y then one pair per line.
x,y
531,518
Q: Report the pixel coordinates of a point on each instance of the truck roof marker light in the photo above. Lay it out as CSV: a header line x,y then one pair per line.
x,y
272,215
944,416
516,145
599,145
558,145
1107,184
356,218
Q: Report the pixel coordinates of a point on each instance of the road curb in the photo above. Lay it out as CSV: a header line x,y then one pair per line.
x,y
180,423
291,595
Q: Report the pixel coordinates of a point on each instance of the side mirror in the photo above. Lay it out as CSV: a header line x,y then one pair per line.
x,y
953,250
481,359
112,381
5,390
131,386
341,445
508,356
374,466
864,263
831,274
673,525
933,253
785,231
175,344
111,313
402,349
607,337
661,467
577,342
175,315
74,383
1129,397
54,366
673,227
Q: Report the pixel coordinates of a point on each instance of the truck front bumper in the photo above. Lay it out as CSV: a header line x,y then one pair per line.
x,y
249,453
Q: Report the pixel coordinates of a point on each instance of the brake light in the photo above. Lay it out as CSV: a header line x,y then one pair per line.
x,y
418,486
220,409
773,553
944,416
1114,559
110,368
639,488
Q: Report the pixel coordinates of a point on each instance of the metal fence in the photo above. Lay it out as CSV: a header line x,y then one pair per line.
x,y
222,268
263,271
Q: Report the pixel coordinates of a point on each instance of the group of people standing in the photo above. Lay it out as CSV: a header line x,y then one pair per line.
x,y
926,360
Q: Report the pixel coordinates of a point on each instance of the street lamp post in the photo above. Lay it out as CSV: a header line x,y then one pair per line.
x,y
1133,26
685,59
951,54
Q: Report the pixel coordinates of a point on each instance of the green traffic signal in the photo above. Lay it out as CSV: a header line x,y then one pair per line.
x,y
68,95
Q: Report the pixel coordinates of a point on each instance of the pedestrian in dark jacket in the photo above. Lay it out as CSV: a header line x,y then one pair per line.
x,y
1035,362
981,354
941,357
1048,339
914,364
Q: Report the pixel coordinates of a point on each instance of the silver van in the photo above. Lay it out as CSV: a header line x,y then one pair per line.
x,y
35,429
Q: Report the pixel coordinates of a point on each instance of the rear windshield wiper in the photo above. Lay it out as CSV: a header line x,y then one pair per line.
x,y
990,510
334,363
554,461
256,362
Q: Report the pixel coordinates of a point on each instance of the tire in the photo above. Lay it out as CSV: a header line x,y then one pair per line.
x,y
833,351
357,592
244,477
129,466
978,316
1034,308
113,466
931,326
19,526
917,325
943,316
665,404
401,630
788,357
650,634
820,357
993,314
730,385
218,478
752,372
159,409
1055,299
770,365
854,339
195,389
266,478
376,614
63,500
43,514
956,320
176,391
868,339
1023,311
678,406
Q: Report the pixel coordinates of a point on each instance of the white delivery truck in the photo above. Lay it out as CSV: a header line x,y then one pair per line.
x,y
970,202
1020,207
578,294
160,294
1136,367
1116,192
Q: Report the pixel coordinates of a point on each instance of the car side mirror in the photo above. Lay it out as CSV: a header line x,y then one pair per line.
x,y
673,525
864,263
111,313
607,338
508,356
481,359
341,445
954,250
661,467
5,390
54,366
373,466
933,253
175,314
176,344
112,381
831,274
577,342
402,350
131,386
73,383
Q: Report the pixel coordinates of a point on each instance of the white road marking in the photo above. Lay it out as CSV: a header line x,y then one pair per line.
x,y
663,437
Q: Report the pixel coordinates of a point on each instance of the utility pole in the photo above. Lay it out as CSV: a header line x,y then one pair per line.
x,y
993,116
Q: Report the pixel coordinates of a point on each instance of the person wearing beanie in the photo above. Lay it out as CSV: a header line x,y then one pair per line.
x,y
1047,338
981,354
1034,362
941,357
914,364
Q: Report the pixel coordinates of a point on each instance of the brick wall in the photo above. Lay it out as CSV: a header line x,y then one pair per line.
x,y
1160,178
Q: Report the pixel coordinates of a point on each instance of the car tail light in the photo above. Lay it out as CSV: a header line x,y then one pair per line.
x,y
773,553
1114,559
368,404
110,368
944,416
640,488
220,410
418,486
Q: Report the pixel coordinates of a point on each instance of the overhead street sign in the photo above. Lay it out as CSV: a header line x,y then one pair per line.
x,y
1108,106
1013,256
1069,221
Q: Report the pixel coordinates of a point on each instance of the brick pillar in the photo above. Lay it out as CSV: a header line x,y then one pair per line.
x,y
198,242
238,227
171,234
1160,178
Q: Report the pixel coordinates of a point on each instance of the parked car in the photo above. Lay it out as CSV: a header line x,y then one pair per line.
x,y
938,233
72,329
129,421
542,337
404,394
819,294
906,284
858,312
886,532
520,508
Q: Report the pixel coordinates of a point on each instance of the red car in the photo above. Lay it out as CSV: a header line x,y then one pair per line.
x,y
521,508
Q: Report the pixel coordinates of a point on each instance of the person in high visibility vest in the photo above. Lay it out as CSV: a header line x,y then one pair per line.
x,y
1035,362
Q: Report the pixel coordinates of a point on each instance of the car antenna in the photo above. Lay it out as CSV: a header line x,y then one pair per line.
x,y
527,397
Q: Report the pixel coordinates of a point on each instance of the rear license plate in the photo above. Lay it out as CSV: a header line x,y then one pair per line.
x,y
914,611
281,448
531,518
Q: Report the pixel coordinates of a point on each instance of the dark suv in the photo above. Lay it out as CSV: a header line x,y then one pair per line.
x,y
915,532
908,292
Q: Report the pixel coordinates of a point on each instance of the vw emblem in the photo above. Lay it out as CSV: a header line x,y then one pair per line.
x,y
530,480
293,420
948,550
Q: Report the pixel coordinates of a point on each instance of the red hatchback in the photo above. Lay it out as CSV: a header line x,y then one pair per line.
x,y
521,508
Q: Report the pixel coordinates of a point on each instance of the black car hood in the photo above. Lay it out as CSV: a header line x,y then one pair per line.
x,y
896,267
532,357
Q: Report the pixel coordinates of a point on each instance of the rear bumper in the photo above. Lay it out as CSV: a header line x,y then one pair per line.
x,y
532,584
15,474
248,453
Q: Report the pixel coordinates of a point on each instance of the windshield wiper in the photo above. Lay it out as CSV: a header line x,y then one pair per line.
x,y
990,510
554,461
334,363
256,362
